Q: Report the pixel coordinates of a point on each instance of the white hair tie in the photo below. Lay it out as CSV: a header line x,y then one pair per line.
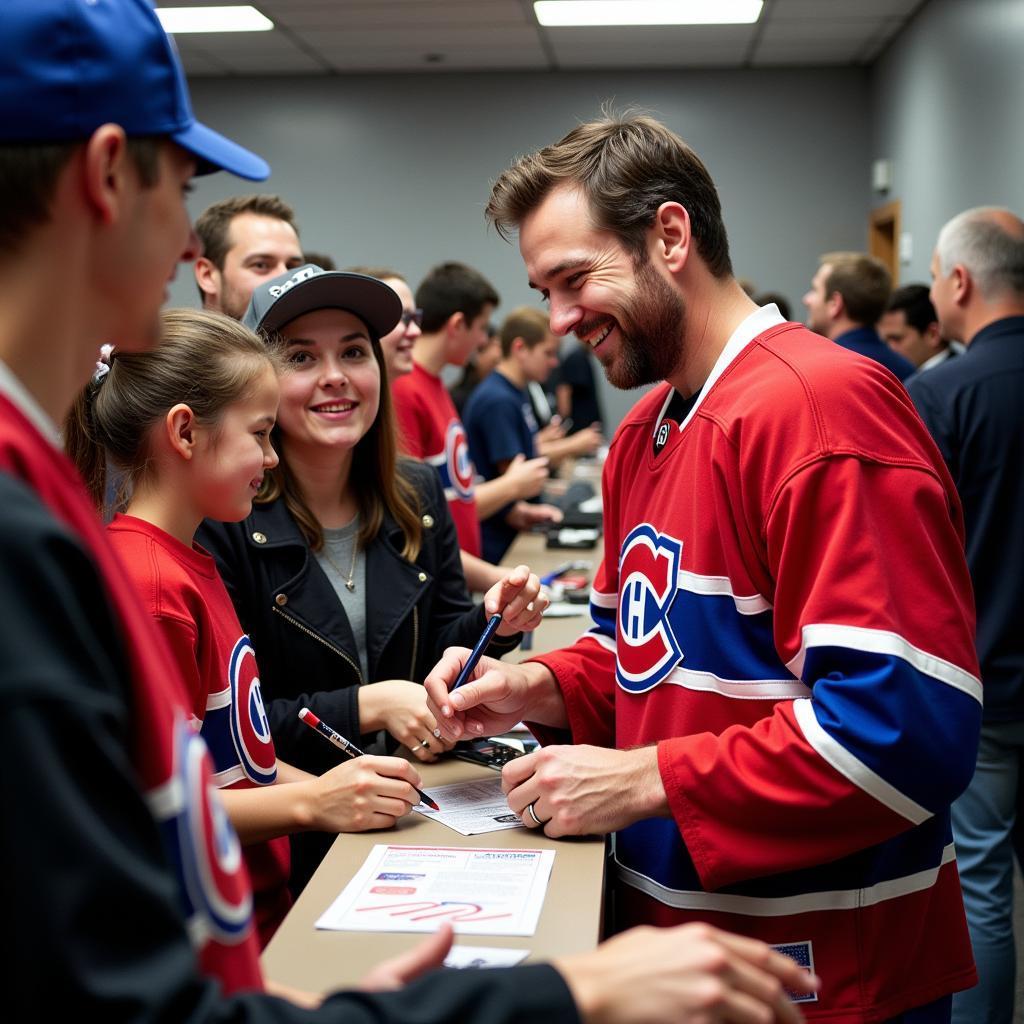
x,y
103,363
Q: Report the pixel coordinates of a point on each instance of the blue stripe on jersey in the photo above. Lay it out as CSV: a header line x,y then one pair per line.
x,y
216,731
893,719
716,638
655,848
604,619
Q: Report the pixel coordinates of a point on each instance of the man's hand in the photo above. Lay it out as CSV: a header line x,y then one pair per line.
x,y
691,974
499,696
584,790
525,515
519,598
400,970
527,476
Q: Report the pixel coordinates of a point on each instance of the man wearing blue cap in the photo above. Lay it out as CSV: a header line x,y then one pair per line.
x,y
123,894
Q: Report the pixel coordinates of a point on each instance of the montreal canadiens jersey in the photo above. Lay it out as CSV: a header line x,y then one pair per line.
x,y
187,599
430,429
784,610
172,761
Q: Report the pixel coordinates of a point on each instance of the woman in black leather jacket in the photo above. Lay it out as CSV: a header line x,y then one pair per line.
x,y
336,441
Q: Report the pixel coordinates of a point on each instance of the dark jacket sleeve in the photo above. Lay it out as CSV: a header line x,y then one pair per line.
x,y
295,743
91,919
455,621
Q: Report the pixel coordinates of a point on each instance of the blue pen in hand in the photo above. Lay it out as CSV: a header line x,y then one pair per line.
x,y
481,645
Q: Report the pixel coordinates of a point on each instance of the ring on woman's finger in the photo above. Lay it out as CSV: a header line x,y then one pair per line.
x,y
533,814
425,744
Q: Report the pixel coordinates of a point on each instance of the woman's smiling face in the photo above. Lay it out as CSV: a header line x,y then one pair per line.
x,y
330,391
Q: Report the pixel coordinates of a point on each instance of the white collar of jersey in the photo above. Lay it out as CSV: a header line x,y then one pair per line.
x,y
19,395
758,322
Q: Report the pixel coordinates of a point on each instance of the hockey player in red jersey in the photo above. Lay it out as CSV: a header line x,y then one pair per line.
x,y
778,698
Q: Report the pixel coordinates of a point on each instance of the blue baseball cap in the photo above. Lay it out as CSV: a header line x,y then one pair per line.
x,y
69,66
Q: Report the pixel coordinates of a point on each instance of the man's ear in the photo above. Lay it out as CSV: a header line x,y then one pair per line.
x,y
933,335
208,277
455,323
672,236
963,284
107,171
835,306
180,426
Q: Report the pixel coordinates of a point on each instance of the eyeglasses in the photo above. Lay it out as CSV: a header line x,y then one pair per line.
x,y
412,316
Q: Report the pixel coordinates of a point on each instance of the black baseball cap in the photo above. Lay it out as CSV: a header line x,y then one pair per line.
x,y
296,292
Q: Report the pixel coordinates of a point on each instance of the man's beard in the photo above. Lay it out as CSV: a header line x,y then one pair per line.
x,y
651,327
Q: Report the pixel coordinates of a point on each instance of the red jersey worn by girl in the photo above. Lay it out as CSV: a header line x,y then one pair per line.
x,y
185,596
172,762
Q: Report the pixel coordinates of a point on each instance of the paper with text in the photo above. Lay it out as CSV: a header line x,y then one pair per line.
x,y
416,888
472,808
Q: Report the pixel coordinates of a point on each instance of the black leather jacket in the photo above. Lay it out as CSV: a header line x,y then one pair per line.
x,y
304,646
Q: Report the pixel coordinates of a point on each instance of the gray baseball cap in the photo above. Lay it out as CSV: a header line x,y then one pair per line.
x,y
290,295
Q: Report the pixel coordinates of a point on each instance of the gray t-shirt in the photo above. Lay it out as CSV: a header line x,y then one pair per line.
x,y
342,560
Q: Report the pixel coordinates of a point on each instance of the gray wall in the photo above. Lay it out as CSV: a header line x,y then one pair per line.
x,y
947,107
396,169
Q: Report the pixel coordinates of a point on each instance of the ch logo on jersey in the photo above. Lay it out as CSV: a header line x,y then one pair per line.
x,y
217,887
249,726
457,460
646,647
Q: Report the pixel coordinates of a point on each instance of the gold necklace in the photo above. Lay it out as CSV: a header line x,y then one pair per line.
x,y
350,581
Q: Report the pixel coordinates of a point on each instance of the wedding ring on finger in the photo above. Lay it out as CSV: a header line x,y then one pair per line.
x,y
425,744
533,814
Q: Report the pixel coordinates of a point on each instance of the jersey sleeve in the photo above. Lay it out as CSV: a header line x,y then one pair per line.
x,y
182,639
873,612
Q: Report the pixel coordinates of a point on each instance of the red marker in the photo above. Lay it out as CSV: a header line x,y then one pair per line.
x,y
335,737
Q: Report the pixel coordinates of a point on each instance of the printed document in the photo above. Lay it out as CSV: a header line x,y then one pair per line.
x,y
471,808
415,888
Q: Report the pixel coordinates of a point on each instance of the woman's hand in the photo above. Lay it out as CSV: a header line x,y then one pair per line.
x,y
400,707
519,599
365,793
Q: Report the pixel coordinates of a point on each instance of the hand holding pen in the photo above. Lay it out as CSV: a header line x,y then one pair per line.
x,y
348,747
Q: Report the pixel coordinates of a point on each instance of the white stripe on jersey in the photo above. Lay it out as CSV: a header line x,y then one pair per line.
x,y
784,906
216,701
721,586
881,641
604,600
166,800
743,689
228,776
853,768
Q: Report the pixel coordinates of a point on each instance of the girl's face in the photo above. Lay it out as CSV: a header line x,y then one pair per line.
x,y
330,391
233,455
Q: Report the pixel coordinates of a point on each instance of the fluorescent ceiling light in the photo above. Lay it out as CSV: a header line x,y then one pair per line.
x,y
647,12
177,20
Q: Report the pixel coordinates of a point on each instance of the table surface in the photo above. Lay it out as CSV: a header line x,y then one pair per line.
x,y
319,961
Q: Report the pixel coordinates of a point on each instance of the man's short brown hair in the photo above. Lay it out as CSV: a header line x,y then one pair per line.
x,y
526,322
28,180
626,167
863,282
214,224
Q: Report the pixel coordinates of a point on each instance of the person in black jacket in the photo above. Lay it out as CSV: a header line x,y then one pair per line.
x,y
347,572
